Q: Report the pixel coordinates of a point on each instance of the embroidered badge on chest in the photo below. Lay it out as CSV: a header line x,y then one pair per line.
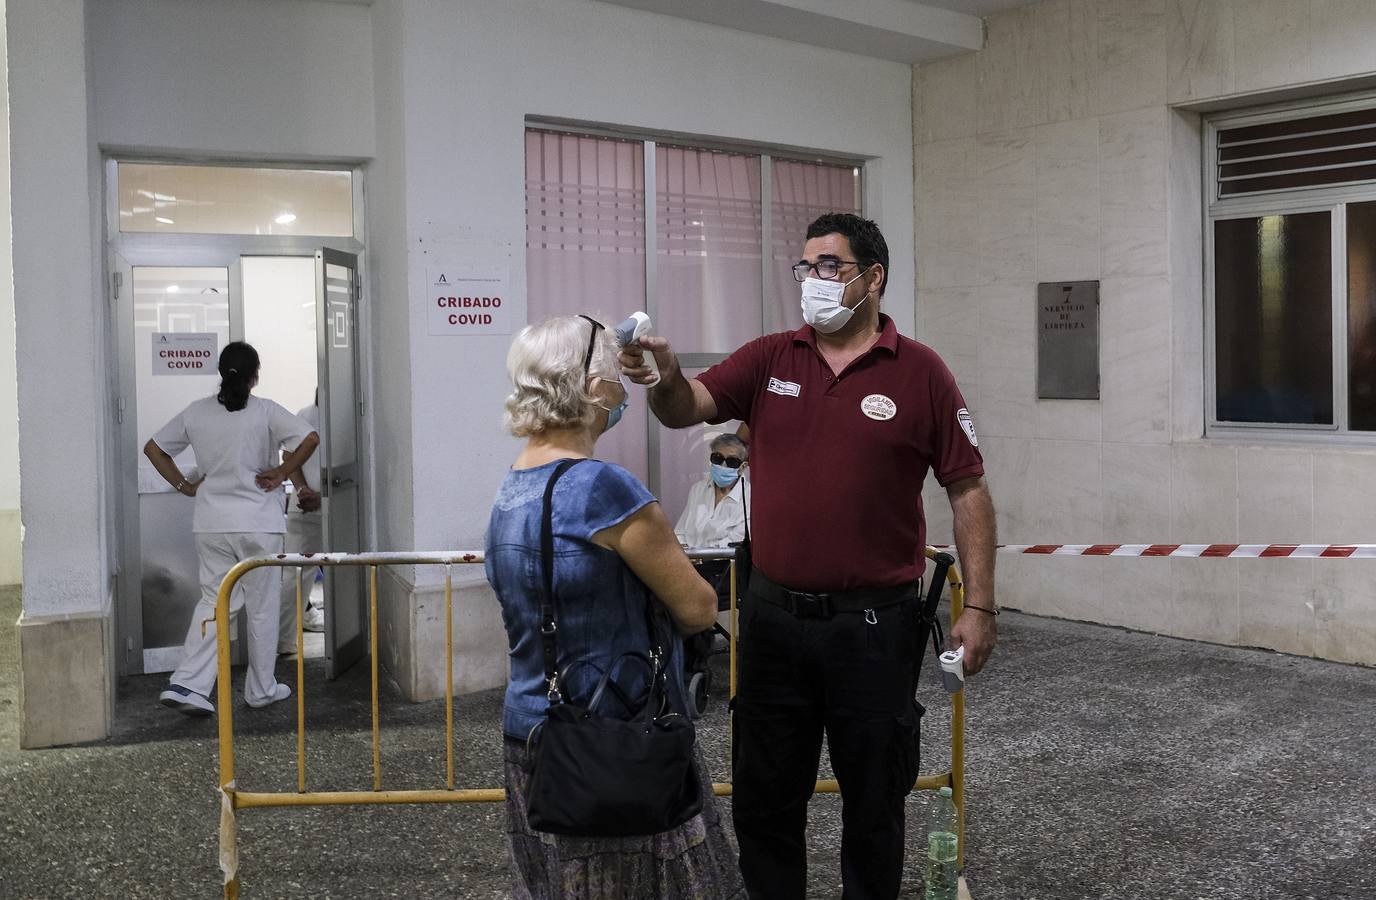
x,y
784,388
968,425
878,407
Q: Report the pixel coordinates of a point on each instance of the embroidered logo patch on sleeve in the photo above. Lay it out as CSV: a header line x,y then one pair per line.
x,y
968,425
878,407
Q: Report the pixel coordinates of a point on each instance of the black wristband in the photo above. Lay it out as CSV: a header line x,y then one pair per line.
x,y
983,609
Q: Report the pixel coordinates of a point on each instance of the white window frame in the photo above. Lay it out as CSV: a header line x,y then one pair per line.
x,y
1330,199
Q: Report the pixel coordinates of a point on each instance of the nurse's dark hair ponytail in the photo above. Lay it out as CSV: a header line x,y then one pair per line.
x,y
238,372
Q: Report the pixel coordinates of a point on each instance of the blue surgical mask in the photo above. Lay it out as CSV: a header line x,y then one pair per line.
x,y
724,476
614,414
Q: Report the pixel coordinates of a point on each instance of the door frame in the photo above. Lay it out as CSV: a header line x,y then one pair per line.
x,y
125,251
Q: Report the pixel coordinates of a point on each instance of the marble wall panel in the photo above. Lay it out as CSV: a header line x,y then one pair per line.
x,y
947,97
1275,495
1136,593
1007,167
1344,497
1067,45
1184,227
1345,610
1203,493
1131,70
1199,48
1070,420
1068,208
1072,587
1276,604
1007,362
1069,492
1271,44
1341,35
1008,93
1009,469
1132,184
948,322
947,220
1204,604
1136,359
1018,583
1137,495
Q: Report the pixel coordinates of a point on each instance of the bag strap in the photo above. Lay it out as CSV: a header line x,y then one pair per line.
x,y
548,623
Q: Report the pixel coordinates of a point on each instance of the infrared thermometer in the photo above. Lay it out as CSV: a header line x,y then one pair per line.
x,y
630,332
953,670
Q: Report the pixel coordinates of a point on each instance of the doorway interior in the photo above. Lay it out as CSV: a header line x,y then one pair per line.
x,y
200,255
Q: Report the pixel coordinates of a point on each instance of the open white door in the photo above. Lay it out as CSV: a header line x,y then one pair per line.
x,y
337,296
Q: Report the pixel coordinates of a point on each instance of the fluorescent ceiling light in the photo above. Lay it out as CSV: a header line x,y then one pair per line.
x,y
172,288
164,220
285,218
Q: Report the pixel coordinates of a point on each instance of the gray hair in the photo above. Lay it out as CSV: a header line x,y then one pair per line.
x,y
728,441
545,364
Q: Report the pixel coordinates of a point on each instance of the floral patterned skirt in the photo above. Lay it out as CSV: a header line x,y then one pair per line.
x,y
691,862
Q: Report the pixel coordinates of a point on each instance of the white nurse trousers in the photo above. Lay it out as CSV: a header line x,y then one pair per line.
x,y
258,593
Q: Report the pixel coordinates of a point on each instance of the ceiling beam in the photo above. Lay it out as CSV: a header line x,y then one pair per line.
x,y
904,31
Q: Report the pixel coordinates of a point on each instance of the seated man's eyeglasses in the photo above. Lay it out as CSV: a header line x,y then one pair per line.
x,y
731,462
826,269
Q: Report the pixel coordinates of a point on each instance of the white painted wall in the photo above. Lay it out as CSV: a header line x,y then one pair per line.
x,y
10,563
53,199
234,77
1056,153
591,62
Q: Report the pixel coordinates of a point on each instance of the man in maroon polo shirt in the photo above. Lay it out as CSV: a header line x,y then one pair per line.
x,y
846,417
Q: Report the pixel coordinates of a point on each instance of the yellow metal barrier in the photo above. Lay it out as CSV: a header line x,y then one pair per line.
x,y
233,799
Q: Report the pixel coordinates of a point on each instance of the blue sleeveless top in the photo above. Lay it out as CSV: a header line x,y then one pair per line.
x,y
601,606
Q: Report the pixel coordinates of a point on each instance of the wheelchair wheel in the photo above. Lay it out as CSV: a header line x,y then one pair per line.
x,y
698,687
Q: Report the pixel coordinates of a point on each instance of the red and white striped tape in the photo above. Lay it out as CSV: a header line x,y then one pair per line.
x,y
1196,551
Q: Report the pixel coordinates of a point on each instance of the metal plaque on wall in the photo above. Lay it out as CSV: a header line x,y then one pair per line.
x,y
1068,340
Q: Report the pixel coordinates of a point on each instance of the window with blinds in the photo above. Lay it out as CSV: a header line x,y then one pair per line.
x,y
1292,250
1314,151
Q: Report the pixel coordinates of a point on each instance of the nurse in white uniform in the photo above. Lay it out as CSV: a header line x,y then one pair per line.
x,y
238,515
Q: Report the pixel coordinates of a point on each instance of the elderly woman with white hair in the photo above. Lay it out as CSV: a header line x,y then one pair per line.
x,y
616,561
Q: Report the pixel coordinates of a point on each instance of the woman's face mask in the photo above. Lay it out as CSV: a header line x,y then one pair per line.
x,y
614,412
724,477
822,304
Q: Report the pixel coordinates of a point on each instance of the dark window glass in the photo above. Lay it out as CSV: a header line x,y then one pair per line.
x,y
1361,316
1273,318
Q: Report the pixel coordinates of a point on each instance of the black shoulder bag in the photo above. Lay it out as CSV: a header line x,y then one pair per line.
x,y
596,776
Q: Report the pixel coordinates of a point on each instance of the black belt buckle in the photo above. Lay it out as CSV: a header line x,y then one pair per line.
x,y
809,606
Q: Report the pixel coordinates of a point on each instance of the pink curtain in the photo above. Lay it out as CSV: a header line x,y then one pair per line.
x,y
585,248
802,192
708,230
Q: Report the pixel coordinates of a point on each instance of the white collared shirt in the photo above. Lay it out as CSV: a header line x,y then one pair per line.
x,y
707,523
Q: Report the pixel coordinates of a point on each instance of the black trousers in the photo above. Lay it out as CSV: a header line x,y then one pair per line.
x,y
848,677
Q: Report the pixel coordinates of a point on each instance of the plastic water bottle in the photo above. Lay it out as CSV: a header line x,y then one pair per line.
x,y
941,881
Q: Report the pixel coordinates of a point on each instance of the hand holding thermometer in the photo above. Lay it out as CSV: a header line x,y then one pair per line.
x,y
629,333
953,670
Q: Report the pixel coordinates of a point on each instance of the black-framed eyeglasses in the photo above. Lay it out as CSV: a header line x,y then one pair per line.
x,y
592,342
826,269
731,462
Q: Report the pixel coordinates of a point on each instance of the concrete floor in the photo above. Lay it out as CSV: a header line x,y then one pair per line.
x,y
1103,764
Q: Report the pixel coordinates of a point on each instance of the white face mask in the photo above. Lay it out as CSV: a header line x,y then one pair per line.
x,y
822,306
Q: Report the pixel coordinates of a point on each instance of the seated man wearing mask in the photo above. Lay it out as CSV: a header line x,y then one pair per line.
x,y
714,515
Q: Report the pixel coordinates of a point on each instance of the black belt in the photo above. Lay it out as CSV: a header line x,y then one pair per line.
x,y
824,605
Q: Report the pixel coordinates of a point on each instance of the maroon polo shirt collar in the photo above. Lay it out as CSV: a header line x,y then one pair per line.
x,y
888,336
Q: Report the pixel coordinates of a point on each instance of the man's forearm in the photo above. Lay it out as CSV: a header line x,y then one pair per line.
x,y
672,400
972,512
